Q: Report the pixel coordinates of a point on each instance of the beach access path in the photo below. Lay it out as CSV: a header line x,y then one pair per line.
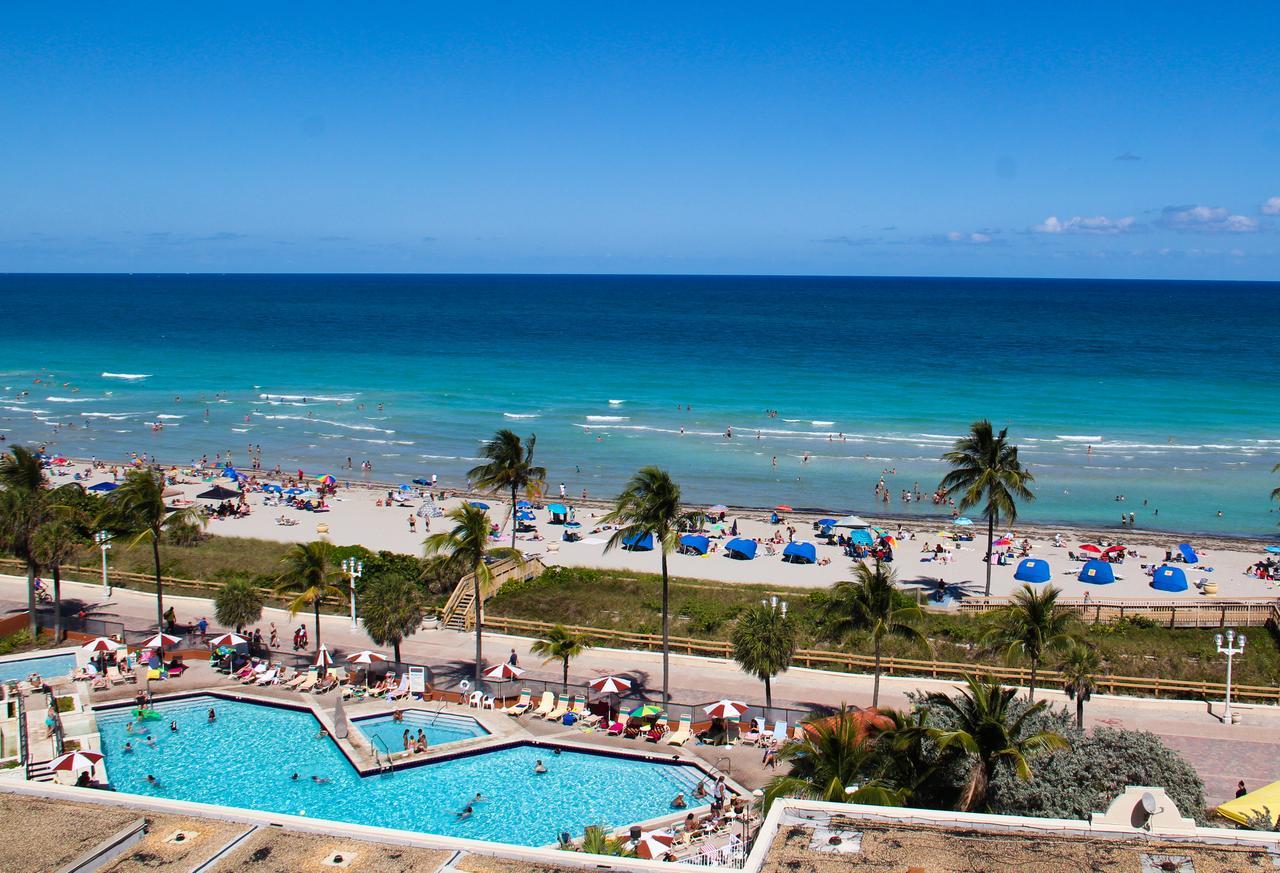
x,y
1221,753
355,517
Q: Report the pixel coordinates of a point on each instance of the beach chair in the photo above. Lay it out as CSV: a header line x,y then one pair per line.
x,y
400,690
243,671
521,706
545,706
255,673
562,707
779,734
589,722
474,699
313,678
268,678
754,733
297,680
683,732
616,729
657,732
489,702
578,708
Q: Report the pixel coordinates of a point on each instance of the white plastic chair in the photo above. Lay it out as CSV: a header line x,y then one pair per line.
x,y
474,699
488,701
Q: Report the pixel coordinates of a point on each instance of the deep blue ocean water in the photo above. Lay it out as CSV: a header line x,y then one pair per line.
x,y
1173,385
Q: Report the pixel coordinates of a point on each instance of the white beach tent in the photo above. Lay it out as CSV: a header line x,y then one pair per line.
x,y
852,521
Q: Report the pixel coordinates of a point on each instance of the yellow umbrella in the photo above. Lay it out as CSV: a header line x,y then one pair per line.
x,y
1252,803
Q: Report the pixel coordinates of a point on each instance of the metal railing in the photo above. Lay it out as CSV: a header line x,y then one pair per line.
x,y
24,742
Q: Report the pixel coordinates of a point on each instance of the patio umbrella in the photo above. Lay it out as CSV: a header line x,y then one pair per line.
x,y
103,486
612,686
782,507
227,639
366,657
653,845
159,641
503,672
1111,550
1091,549
217,492
646,710
726,709
826,522
323,658
101,644
851,521
75,762
328,480
478,505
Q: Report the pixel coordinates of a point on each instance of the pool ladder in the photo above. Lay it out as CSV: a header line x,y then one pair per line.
x,y
382,760
438,710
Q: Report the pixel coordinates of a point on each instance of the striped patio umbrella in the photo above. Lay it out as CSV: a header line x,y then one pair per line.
x,y
503,672
227,639
75,762
159,641
323,658
726,709
646,710
653,845
366,657
611,685
101,644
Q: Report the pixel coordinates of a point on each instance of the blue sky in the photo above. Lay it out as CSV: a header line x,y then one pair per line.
x,y
1128,140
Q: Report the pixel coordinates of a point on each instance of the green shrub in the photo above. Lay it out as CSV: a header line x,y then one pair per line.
x,y
16,641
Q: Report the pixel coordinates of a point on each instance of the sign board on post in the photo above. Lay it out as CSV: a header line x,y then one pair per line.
x,y
417,680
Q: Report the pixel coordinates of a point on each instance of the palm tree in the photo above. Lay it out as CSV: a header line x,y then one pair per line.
x,y
833,762
310,573
988,731
1079,669
238,603
596,841
509,468
560,645
391,610
650,504
985,467
871,604
764,640
23,509
467,550
903,748
137,508
56,543
1033,623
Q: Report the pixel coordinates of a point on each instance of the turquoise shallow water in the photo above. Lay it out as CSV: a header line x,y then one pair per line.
x,y
387,735
248,756
1171,384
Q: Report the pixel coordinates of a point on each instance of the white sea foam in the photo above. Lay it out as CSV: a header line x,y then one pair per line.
x,y
72,399
114,416
519,415
128,377
1072,438
822,423
318,398
616,402
323,421
608,418
165,415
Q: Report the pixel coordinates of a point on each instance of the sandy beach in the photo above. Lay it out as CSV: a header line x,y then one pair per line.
x,y
355,517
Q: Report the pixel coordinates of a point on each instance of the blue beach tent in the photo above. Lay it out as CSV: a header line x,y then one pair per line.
x,y
862,537
559,513
1097,573
742,549
692,544
1188,554
1032,570
421,481
826,522
800,553
638,543
1169,579
103,486
478,505
523,504
1275,550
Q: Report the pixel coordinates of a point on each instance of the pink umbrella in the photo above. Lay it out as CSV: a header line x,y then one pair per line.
x,y
1003,541
653,845
726,709
74,762
227,639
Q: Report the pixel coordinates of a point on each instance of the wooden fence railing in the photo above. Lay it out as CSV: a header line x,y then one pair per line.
x,y
1234,612
503,572
846,662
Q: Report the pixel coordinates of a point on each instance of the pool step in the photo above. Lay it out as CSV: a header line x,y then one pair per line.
x,y
40,771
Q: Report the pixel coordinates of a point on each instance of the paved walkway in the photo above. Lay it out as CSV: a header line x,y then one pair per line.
x,y
1221,753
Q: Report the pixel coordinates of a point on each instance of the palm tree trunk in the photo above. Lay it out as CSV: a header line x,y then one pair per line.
x,y
768,694
1079,711
666,637
155,557
513,516
475,591
875,688
1031,695
991,538
566,675
31,601
975,790
57,603
316,604
395,647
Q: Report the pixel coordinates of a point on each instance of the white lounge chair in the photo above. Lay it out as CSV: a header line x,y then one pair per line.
x,y
546,705
521,706
683,732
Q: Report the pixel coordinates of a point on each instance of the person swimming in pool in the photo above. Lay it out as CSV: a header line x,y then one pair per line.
x,y
539,767
173,727
153,781
467,812
213,716
319,780
128,747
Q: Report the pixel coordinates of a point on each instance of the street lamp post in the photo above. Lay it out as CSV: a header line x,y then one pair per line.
x,y
1234,646
775,604
103,539
354,570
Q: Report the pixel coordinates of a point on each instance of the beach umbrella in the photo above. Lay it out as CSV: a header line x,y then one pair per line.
x,y
159,641
1275,550
101,644
217,492
962,521
479,505
1111,550
503,672
1003,541
782,507
1032,570
1169,579
638,542
227,639
826,522
1091,548
1188,554
695,544
366,657
327,479
523,504
103,486
800,553
852,522
610,685
743,549
323,658
1097,573
862,537
646,710
653,845
717,509
421,481
726,709
293,491
75,762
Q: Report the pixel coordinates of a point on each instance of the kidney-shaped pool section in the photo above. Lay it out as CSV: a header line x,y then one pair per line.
x,y
275,759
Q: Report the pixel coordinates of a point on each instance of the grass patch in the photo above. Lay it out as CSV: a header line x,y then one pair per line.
x,y
65,704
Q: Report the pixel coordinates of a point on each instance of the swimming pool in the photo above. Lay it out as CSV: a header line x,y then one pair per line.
x,y
45,665
387,735
248,757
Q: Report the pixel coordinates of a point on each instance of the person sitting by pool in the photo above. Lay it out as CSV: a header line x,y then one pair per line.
x,y
539,767
398,716
408,742
467,812
84,779
678,802
701,790
422,745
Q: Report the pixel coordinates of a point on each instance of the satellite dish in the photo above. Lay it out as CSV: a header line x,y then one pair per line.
x,y
1149,803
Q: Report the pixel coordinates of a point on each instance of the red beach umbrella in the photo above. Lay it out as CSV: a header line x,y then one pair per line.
x,y
227,639
726,709
611,685
101,644
1091,548
653,845
782,507
159,641
503,672
75,762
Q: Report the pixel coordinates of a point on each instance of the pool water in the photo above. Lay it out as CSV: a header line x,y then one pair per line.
x,y
248,756
387,735
46,666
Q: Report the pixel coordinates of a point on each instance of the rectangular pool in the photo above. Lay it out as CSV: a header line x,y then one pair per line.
x,y
275,759
387,735
45,665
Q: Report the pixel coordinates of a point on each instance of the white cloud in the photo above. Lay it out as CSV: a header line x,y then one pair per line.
x,y
1205,219
1098,224
1271,206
